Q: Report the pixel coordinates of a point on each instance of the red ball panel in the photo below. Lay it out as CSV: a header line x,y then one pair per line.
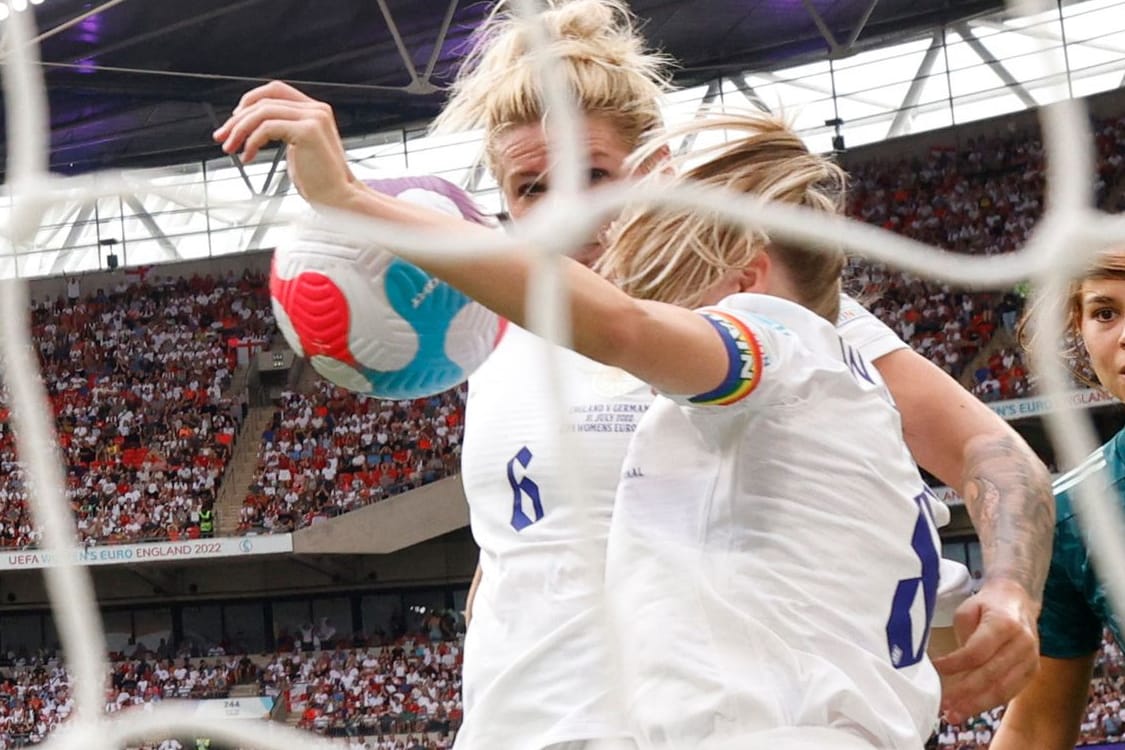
x,y
319,313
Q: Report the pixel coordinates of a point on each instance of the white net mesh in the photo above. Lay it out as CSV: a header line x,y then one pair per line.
x,y
1070,232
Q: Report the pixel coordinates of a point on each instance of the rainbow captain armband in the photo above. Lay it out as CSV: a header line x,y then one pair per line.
x,y
744,354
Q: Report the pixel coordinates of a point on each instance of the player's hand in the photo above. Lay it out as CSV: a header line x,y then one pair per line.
x,y
999,653
314,152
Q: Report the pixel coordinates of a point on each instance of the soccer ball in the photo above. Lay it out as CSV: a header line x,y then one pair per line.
x,y
373,323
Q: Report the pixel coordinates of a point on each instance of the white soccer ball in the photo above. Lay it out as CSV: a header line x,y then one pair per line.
x,y
373,323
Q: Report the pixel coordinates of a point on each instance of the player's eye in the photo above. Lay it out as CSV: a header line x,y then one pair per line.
x,y
1104,314
598,175
532,189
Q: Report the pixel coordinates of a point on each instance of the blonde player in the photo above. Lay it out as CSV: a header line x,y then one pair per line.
x,y
773,552
617,84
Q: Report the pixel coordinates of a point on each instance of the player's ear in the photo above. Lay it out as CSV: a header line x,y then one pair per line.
x,y
755,276
659,160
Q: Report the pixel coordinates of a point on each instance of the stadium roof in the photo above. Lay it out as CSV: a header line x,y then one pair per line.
x,y
141,82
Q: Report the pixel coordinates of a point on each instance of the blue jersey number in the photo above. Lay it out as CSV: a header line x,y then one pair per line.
x,y
900,628
523,490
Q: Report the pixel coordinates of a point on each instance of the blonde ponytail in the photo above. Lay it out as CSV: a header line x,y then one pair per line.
x,y
678,256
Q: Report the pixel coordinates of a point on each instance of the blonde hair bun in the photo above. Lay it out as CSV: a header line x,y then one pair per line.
x,y
601,54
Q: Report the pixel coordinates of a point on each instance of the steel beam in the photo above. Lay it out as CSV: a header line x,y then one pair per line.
x,y
273,205
403,52
1044,34
153,228
233,157
709,97
901,124
273,170
825,32
803,84
859,27
744,88
476,174
997,67
446,22
277,156
135,39
76,229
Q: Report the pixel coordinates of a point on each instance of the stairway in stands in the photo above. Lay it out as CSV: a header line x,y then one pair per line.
x,y
1001,339
240,469
244,690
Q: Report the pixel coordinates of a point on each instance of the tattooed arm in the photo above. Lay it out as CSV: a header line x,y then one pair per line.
x,y
1007,491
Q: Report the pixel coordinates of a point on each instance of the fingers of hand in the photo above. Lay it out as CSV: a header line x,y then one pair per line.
x,y
275,90
973,655
272,90
264,133
980,644
966,700
1002,673
240,131
967,618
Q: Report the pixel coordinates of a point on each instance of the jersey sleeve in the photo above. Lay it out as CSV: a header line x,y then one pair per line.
x,y
1068,626
955,585
755,344
743,341
864,332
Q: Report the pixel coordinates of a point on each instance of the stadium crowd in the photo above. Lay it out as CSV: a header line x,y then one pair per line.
x,y
982,198
410,686
36,695
136,377
328,451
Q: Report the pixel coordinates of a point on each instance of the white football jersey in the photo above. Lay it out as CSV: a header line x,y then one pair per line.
x,y
773,560
535,654
536,668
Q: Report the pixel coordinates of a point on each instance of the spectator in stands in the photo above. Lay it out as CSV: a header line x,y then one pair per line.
x,y
326,633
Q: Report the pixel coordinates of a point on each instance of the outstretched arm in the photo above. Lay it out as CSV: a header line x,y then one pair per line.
x,y
675,350
1007,491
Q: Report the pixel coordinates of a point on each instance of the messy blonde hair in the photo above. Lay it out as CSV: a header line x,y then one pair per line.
x,y
1108,264
602,57
678,256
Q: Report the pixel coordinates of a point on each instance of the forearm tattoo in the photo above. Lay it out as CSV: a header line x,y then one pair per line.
x,y
1008,493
